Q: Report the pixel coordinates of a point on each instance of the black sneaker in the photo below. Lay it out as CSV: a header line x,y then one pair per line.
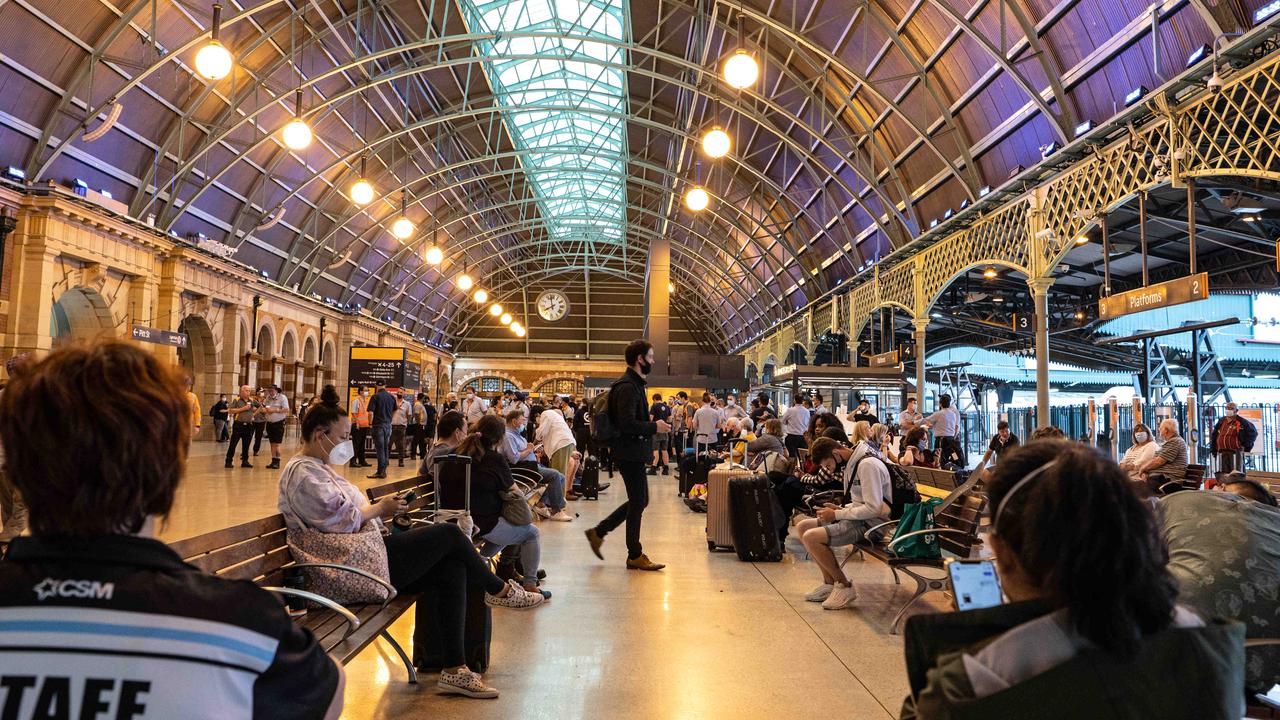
x,y
274,464
665,471
228,465
245,465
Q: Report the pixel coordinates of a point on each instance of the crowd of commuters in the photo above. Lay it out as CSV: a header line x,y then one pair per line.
x,y
1103,580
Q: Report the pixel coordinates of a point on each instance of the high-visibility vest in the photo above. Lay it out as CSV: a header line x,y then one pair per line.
x,y
360,411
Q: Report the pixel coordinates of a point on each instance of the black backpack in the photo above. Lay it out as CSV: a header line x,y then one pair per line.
x,y
603,427
902,487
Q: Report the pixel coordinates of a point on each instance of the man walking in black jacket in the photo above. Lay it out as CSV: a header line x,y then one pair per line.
x,y
631,448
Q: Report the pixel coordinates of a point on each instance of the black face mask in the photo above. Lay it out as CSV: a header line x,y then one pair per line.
x,y
645,367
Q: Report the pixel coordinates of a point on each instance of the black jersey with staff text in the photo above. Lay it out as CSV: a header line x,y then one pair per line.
x,y
119,627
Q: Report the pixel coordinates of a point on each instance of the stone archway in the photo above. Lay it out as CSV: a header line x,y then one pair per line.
x,y
81,314
266,348
200,361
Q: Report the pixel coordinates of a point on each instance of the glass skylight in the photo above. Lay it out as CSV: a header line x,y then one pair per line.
x,y
564,103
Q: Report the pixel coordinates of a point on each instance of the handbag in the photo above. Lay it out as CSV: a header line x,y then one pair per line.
x,y
362,550
915,517
515,507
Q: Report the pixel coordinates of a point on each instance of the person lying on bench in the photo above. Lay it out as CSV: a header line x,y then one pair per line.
x,y
96,614
866,484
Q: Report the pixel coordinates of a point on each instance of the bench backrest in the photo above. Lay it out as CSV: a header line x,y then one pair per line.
x,y
1269,480
963,513
933,477
255,550
423,485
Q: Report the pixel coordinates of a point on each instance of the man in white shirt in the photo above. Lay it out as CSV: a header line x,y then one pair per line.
x,y
946,430
867,484
706,423
400,424
275,409
474,407
795,423
732,409
909,418
818,407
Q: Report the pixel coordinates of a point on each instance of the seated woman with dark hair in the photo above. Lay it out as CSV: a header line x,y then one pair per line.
x,y
138,630
314,497
915,449
490,479
1094,621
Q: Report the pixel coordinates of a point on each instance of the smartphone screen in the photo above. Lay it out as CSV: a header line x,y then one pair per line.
x,y
974,583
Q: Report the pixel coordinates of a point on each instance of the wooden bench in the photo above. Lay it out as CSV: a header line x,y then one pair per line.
x,y
938,483
1192,479
956,524
257,551
1269,480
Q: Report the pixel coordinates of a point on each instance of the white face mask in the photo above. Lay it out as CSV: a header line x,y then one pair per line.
x,y
731,402
1141,437
1231,413
341,453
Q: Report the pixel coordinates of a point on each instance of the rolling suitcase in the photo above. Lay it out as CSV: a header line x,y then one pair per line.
x,y
591,479
753,517
719,519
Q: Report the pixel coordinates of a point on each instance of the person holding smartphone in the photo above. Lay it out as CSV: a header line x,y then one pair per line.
x,y
1094,610
520,452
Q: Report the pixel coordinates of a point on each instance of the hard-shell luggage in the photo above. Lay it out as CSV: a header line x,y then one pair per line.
x,y
460,511
591,479
753,525
719,519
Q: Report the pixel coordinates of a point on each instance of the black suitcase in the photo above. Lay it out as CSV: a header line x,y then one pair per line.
x,y
685,470
591,479
753,522
476,636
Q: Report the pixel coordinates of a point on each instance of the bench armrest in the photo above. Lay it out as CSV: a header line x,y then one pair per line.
x,y
391,591
934,531
1173,483
1261,642
874,528
353,622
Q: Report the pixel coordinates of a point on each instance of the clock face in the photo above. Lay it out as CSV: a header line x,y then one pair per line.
x,y
552,305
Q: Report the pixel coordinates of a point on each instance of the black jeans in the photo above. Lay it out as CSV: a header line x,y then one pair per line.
x,y
441,558
359,435
241,432
417,441
631,511
398,434
949,451
258,429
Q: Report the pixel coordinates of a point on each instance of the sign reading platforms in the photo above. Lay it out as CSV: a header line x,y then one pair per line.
x,y
1165,294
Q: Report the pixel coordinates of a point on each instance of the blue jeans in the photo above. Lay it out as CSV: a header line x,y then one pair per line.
x,y
381,443
553,496
526,536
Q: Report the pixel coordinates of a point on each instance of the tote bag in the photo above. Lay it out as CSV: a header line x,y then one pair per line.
x,y
363,550
917,516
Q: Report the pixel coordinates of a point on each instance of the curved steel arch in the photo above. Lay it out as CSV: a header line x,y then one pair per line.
x,y
333,100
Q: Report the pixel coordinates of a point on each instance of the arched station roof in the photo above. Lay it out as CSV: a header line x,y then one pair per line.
x,y
526,138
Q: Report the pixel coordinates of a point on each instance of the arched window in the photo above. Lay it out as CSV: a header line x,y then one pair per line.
x,y
560,386
488,385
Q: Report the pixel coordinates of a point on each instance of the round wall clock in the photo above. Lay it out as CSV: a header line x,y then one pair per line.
x,y
552,305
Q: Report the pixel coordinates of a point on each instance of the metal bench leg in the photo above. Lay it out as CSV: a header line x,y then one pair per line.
x,y
921,588
855,551
408,664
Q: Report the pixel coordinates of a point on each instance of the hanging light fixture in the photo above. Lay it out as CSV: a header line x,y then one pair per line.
x,y
671,288
464,281
1082,240
361,191
495,309
990,273
481,296
296,134
403,228
213,61
434,255
518,329
716,142
697,199
505,319
741,70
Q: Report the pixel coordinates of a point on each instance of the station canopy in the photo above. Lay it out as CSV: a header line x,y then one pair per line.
x,y
523,139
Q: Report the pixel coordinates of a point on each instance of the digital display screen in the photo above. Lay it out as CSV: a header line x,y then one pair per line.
x,y
975,584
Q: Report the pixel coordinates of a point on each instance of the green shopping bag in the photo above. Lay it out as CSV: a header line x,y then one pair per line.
x,y
915,517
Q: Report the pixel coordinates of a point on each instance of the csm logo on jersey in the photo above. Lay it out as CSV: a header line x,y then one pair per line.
x,y
52,587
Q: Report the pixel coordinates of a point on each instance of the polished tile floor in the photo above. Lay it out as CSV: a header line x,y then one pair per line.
x,y
709,637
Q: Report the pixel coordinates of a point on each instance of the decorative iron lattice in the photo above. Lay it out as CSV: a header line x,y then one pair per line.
x,y
1000,237
1237,130
1233,132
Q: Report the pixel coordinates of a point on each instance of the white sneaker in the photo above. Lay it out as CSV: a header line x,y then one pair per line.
x,y
543,511
841,597
561,516
820,593
465,682
517,599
